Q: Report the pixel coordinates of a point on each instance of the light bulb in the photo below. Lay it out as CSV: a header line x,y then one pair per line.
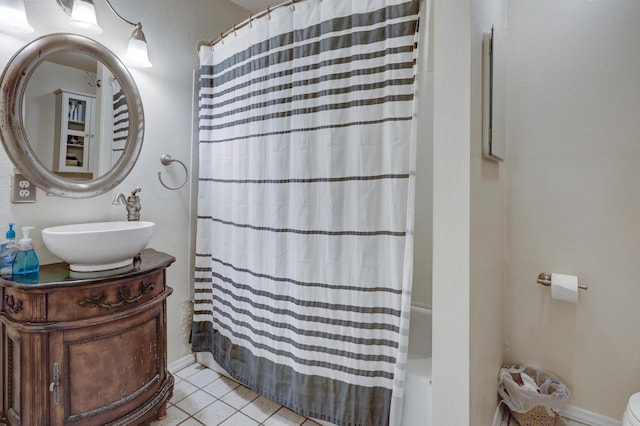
x,y
137,53
83,17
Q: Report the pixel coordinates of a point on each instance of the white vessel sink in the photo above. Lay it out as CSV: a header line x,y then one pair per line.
x,y
98,246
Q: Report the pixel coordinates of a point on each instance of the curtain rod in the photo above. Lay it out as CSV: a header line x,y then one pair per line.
x,y
244,23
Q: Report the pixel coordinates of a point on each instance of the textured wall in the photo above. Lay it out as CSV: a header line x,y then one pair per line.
x,y
468,226
488,236
573,202
423,242
451,210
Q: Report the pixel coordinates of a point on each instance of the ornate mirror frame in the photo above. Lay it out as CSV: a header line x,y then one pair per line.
x,y
13,83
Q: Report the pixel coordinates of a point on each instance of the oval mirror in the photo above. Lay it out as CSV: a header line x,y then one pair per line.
x,y
71,118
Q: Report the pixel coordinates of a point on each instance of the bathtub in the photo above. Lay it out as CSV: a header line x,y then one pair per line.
x,y
416,409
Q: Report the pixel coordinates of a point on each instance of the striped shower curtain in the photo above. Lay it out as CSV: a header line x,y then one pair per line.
x,y
305,208
120,121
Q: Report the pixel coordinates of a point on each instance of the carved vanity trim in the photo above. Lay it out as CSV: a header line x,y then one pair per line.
x,y
123,293
13,305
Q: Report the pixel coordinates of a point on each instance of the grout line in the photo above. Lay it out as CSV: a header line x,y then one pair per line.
x,y
235,410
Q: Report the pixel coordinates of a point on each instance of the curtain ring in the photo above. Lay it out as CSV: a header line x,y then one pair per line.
x,y
293,5
269,11
234,30
250,21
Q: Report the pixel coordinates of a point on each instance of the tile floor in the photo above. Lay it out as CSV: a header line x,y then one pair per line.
x,y
203,397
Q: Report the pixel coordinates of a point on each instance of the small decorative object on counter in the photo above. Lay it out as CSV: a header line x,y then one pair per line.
x,y
26,261
534,396
8,252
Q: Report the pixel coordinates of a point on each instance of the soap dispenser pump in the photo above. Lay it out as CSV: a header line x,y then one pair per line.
x,y
26,261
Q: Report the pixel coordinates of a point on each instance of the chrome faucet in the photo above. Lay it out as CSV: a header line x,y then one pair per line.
x,y
131,203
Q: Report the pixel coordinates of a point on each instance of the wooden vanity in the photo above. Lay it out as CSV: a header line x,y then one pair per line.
x,y
86,350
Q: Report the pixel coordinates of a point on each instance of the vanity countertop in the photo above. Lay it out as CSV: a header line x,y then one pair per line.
x,y
58,274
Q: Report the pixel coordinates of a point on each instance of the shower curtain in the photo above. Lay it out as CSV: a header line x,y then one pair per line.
x,y
120,121
305,207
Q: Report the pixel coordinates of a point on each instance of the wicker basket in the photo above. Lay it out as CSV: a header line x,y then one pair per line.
x,y
537,416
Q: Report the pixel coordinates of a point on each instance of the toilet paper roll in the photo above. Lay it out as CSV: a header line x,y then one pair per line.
x,y
564,287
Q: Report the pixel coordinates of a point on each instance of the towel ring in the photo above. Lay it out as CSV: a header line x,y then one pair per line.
x,y
166,160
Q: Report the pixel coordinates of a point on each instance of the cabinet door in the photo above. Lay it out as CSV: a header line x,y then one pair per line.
x,y
76,133
26,383
110,372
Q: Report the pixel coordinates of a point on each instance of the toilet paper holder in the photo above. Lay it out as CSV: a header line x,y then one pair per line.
x,y
544,278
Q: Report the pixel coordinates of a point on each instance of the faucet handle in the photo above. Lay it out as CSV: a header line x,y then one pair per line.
x,y
136,190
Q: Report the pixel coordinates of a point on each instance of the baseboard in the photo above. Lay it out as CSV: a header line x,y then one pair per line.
x,y
574,414
181,363
421,305
587,417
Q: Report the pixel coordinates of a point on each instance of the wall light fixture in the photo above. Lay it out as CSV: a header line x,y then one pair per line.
x,y
83,17
13,18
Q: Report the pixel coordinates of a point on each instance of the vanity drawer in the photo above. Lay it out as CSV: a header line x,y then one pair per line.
x,y
96,300
71,303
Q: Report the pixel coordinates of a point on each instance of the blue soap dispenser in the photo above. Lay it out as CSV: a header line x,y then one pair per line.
x,y
26,261
8,252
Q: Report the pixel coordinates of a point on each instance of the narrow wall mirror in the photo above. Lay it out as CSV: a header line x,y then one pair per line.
x,y
493,97
71,118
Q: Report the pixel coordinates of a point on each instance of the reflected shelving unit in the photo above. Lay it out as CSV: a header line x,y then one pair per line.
x,y
74,132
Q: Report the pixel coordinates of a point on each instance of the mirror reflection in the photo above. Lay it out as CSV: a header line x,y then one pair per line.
x,y
66,124
76,118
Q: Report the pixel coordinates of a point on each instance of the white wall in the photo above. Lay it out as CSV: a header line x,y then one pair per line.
x,y
451,212
468,226
172,29
487,239
423,231
574,193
